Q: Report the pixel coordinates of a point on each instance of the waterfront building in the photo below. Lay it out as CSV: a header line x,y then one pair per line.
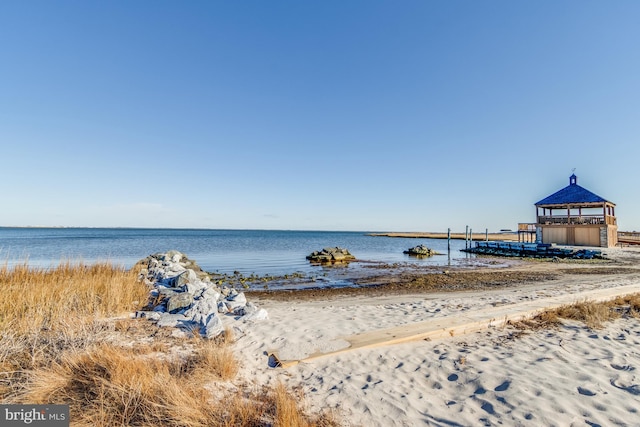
x,y
576,216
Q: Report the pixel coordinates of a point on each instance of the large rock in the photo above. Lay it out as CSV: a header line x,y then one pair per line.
x,y
179,301
236,303
202,309
172,320
420,250
210,293
255,315
182,279
327,255
213,327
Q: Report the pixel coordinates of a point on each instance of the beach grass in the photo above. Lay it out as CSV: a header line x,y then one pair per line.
x,y
44,299
593,314
67,337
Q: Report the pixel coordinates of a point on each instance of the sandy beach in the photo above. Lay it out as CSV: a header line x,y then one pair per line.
x,y
499,375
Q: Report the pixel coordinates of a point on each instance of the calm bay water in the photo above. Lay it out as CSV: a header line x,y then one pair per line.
x,y
248,251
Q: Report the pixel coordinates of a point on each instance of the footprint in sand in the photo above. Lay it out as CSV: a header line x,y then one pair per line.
x,y
622,367
488,408
502,387
452,377
505,403
632,388
586,391
480,390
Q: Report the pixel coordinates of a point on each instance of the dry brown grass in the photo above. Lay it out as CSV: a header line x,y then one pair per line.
x,y
57,347
287,412
49,299
285,405
592,314
107,386
630,304
219,361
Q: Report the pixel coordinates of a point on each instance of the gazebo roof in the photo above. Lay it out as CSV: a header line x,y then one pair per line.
x,y
572,194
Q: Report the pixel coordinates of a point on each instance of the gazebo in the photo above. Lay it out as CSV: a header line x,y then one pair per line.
x,y
576,216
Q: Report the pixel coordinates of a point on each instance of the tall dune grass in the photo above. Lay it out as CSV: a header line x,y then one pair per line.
x,y
107,386
33,300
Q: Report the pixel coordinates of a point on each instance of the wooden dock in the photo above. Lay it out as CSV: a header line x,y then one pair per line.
x,y
629,237
534,250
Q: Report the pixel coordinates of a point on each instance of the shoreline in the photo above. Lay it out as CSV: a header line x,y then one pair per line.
x,y
511,236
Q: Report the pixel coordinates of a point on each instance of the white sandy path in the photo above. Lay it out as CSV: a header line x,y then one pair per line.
x,y
568,377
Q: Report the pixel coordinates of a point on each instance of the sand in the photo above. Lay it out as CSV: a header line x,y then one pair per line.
x,y
570,376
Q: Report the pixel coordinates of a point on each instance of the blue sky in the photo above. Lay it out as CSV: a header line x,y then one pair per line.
x,y
332,115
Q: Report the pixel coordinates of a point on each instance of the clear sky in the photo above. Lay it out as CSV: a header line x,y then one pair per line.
x,y
326,115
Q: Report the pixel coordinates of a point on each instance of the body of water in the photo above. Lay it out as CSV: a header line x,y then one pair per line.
x,y
248,251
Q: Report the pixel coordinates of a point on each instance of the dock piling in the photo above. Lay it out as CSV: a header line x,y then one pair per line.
x,y
466,237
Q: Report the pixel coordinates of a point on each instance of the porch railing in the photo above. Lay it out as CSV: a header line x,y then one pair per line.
x,y
526,227
577,220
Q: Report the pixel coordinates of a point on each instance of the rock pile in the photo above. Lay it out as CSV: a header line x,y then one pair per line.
x,y
331,255
183,296
420,250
